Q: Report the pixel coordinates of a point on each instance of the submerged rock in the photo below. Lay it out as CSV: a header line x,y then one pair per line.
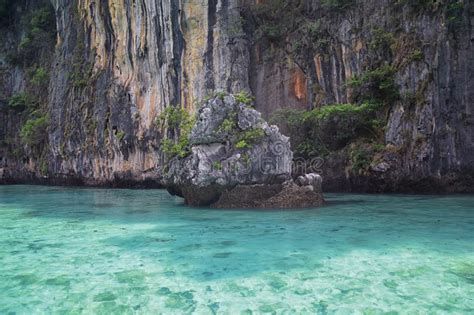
x,y
237,160
281,196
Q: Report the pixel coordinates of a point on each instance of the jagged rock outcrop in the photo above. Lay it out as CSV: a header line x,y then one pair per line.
x,y
233,150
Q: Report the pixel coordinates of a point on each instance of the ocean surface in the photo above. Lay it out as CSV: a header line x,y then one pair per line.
x,y
100,251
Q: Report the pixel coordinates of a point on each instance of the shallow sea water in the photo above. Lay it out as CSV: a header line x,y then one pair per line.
x,y
98,251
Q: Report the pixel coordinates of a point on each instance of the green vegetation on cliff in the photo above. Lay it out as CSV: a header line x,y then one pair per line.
x,y
358,81
33,131
376,85
30,56
329,128
21,101
40,30
175,125
246,139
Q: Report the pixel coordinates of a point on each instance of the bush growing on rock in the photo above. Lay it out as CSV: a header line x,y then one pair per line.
x,y
21,101
40,77
40,28
244,98
32,132
175,124
376,86
329,128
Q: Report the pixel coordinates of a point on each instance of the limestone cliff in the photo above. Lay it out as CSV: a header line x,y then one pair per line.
x,y
410,56
115,65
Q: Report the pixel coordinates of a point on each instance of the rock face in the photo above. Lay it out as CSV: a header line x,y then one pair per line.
x,y
427,132
116,65
237,160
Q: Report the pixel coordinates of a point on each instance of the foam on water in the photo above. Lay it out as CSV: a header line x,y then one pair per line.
x,y
96,251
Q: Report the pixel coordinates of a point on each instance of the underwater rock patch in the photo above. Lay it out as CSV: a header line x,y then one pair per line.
x,y
465,271
277,284
26,279
105,297
163,291
59,281
130,276
222,255
181,300
272,308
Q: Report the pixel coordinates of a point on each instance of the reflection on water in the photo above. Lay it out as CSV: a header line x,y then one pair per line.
x,y
136,251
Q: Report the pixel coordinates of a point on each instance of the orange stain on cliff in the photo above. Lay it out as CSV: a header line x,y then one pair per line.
x,y
359,45
152,110
300,84
318,66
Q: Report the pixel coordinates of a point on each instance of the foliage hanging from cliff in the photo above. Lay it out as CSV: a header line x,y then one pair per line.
x,y
33,131
362,155
175,123
40,26
454,12
39,77
377,85
23,101
329,128
246,139
244,98
33,25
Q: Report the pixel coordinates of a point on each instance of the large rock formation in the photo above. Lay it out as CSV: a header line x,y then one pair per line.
x,y
115,65
237,160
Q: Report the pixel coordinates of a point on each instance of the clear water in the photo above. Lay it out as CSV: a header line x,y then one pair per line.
x,y
91,251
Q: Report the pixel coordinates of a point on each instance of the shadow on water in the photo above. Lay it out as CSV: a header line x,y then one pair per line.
x,y
210,244
209,250
335,202
206,244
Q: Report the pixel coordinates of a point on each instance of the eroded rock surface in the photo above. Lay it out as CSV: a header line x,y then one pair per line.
x,y
288,195
237,160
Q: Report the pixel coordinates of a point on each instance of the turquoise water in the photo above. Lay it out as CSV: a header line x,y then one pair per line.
x,y
92,251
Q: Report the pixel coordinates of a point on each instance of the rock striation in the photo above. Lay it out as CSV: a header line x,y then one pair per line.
x,y
237,160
